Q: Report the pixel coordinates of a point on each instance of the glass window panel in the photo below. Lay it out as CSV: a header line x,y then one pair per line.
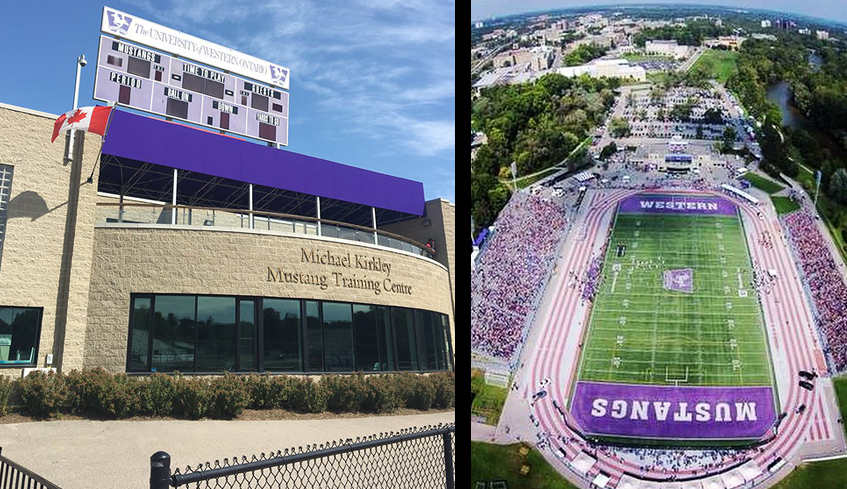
x,y
314,337
404,328
247,341
448,351
19,334
386,346
429,338
140,334
215,334
367,338
173,333
282,335
338,337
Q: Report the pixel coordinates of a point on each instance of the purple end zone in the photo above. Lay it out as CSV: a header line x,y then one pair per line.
x,y
676,204
681,413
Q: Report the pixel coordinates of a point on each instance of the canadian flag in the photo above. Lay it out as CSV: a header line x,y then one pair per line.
x,y
89,119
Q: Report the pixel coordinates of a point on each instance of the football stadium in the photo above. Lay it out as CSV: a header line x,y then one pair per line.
x,y
669,329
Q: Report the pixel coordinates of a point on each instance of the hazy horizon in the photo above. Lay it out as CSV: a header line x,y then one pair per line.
x,y
824,11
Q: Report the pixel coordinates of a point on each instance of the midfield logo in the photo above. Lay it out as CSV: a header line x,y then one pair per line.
x,y
680,280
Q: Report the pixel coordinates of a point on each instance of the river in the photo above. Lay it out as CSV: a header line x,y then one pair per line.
x,y
780,93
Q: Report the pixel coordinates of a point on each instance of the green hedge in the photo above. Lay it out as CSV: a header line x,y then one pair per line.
x,y
98,394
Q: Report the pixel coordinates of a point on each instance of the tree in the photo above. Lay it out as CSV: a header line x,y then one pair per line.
x,y
619,127
838,186
729,136
608,150
712,116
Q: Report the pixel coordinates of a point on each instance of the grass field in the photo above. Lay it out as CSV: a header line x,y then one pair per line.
x,y
763,183
784,205
488,399
719,64
503,463
644,334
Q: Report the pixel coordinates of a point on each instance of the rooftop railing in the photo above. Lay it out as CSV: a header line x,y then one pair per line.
x,y
142,213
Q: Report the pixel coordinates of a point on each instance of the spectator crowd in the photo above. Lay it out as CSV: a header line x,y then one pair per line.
x,y
508,282
825,284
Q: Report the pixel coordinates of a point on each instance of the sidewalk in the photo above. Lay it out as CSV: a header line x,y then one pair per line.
x,y
116,454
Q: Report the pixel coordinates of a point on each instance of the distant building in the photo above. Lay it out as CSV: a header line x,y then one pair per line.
x,y
768,37
542,58
804,31
766,23
730,42
513,57
666,48
822,35
478,25
606,68
718,23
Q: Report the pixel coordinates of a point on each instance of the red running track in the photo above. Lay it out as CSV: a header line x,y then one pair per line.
x,y
787,319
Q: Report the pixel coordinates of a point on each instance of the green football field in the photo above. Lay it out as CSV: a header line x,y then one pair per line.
x,y
641,332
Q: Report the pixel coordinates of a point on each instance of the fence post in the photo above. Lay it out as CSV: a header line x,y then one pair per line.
x,y
160,471
448,459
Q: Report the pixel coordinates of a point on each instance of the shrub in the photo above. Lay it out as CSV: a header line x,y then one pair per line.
x,y
422,393
42,394
381,395
192,397
308,396
228,396
82,388
258,388
445,389
6,385
345,393
117,397
156,395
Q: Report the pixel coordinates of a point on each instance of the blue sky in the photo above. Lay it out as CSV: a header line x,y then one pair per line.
x,y
825,9
372,81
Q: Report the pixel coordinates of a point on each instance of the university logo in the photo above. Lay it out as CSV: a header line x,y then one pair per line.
x,y
679,280
118,22
279,74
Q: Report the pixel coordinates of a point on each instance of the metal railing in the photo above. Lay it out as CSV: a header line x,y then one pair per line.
x,y
142,213
413,458
13,476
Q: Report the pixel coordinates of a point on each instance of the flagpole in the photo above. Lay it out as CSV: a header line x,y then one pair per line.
x,y
80,63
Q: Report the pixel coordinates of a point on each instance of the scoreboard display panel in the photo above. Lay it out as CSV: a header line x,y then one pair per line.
x,y
154,82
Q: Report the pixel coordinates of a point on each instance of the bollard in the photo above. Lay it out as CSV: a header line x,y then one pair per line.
x,y
160,471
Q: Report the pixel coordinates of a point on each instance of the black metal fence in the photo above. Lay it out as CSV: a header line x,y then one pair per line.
x,y
413,458
13,476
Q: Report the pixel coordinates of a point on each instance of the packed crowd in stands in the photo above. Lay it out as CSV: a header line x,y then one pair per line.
x,y
507,284
825,284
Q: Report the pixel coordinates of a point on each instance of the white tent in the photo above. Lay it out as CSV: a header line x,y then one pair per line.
x,y
750,470
601,480
628,482
732,479
583,463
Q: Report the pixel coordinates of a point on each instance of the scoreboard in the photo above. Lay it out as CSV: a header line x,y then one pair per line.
x,y
154,82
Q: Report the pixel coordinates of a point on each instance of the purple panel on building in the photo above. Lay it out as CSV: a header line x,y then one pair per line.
x,y
681,413
185,148
677,204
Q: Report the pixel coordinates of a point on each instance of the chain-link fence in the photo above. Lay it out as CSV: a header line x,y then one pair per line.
x,y
413,458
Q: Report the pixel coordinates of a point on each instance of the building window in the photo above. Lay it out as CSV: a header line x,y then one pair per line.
x,y
5,191
215,334
282,335
338,337
314,337
367,338
404,331
173,333
19,332
206,334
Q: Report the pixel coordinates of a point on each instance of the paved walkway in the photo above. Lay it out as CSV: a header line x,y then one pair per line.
x,y
116,454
